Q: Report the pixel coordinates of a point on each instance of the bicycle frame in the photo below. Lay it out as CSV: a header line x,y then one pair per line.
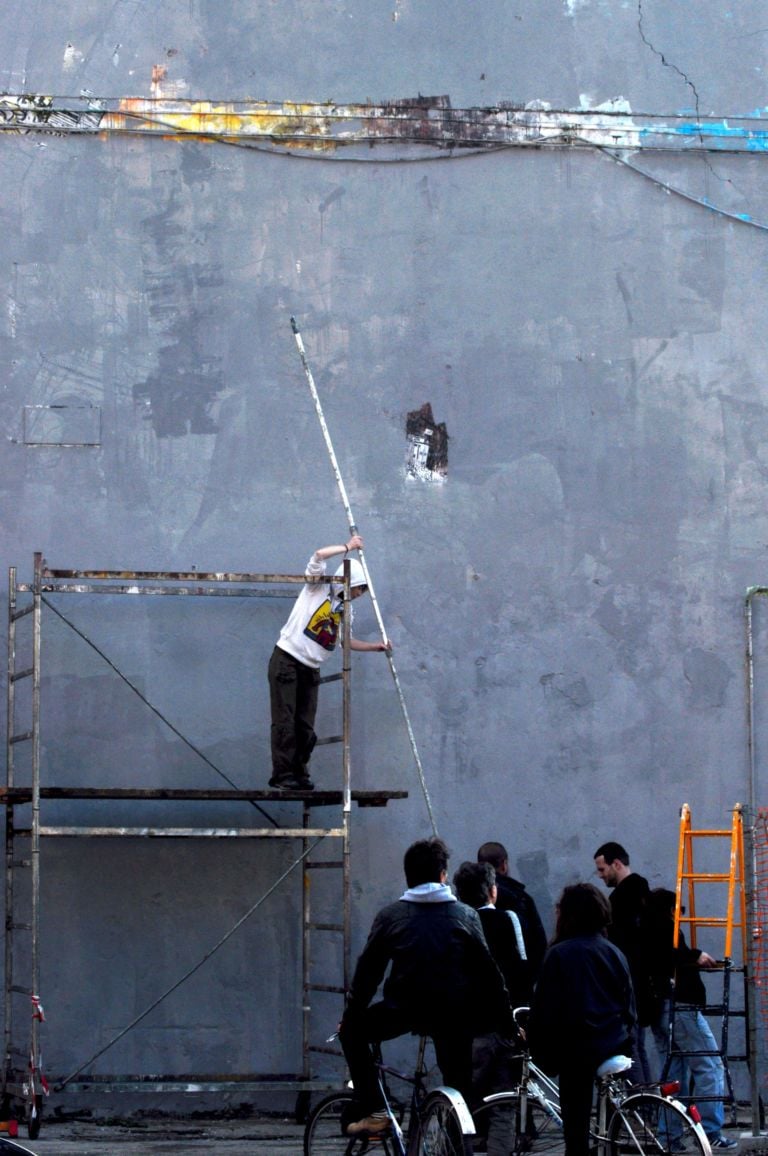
x,y
537,1087
439,1112
418,1091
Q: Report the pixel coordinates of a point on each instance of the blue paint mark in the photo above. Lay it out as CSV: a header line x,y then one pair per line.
x,y
756,139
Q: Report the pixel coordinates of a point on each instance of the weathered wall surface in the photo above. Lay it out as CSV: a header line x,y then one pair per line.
x,y
565,606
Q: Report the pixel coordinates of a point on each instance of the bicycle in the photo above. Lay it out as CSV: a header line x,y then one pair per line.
x,y
631,1120
434,1122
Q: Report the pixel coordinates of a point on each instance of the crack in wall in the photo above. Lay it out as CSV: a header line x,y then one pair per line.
x,y
685,77
667,63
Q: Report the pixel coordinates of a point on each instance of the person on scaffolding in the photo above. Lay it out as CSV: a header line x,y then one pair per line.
x,y
308,638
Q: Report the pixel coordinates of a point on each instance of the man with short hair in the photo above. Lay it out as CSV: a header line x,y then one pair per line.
x,y
512,896
627,930
442,982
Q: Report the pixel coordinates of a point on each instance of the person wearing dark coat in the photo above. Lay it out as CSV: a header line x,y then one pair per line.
x,y
495,1059
629,894
442,982
583,1009
512,896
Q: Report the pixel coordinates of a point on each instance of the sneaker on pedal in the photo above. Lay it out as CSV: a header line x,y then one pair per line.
x,y
376,1122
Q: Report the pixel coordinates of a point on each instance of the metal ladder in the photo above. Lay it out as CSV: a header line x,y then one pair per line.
x,y
23,1078
687,913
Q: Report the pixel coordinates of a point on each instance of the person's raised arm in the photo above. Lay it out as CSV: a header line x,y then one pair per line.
x,y
354,543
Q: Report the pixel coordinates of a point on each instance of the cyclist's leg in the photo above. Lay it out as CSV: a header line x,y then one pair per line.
x,y
577,1085
495,1068
357,1032
453,1050
646,1124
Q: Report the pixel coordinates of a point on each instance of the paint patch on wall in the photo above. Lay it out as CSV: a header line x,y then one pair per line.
x,y
61,425
427,453
72,57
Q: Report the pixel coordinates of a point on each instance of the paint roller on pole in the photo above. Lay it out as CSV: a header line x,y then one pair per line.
x,y
354,530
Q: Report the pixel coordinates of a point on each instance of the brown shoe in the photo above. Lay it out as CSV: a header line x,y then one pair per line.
x,y
376,1122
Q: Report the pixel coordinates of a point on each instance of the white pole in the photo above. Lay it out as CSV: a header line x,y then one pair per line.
x,y
354,530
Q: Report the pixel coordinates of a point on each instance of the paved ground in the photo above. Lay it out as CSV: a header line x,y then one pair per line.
x,y
167,1137
173,1137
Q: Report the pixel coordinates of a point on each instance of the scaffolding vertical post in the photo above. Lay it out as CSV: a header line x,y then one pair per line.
x,y
750,877
338,862
9,822
306,959
34,1053
753,945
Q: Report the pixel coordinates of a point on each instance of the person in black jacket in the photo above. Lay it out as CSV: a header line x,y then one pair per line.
x,y
629,904
512,896
495,1059
583,1009
442,982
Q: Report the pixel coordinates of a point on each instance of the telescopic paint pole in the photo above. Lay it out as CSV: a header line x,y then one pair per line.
x,y
369,583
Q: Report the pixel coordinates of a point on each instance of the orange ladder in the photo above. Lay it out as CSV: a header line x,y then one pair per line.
x,y
734,919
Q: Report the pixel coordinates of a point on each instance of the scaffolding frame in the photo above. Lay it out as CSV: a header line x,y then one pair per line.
x,y
23,1079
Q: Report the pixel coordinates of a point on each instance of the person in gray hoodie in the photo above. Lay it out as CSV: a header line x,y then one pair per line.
x,y
442,982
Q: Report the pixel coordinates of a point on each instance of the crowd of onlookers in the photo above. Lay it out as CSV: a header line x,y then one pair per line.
x,y
456,962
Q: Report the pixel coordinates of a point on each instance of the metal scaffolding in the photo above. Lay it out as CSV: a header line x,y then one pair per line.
x,y
23,1079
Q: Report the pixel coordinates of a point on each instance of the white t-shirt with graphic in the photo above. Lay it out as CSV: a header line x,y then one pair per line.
x,y
314,625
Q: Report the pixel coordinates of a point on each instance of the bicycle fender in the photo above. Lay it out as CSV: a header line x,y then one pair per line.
x,y
694,1123
461,1109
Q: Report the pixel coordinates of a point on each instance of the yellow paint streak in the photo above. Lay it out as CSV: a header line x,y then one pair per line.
x,y
300,125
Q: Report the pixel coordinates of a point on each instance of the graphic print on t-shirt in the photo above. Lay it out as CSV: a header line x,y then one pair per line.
x,y
323,626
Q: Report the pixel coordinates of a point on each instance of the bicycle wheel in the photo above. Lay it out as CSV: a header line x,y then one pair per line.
x,y
646,1124
501,1129
324,1131
440,1131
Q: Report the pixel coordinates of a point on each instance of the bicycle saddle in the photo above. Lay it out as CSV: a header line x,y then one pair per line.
x,y
613,1065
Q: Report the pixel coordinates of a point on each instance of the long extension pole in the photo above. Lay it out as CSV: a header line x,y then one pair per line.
x,y
354,530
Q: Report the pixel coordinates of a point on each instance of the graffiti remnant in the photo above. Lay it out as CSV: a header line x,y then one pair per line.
x,y
427,454
29,113
423,122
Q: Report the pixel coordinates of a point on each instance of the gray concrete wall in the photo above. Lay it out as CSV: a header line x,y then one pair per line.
x,y
566,607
